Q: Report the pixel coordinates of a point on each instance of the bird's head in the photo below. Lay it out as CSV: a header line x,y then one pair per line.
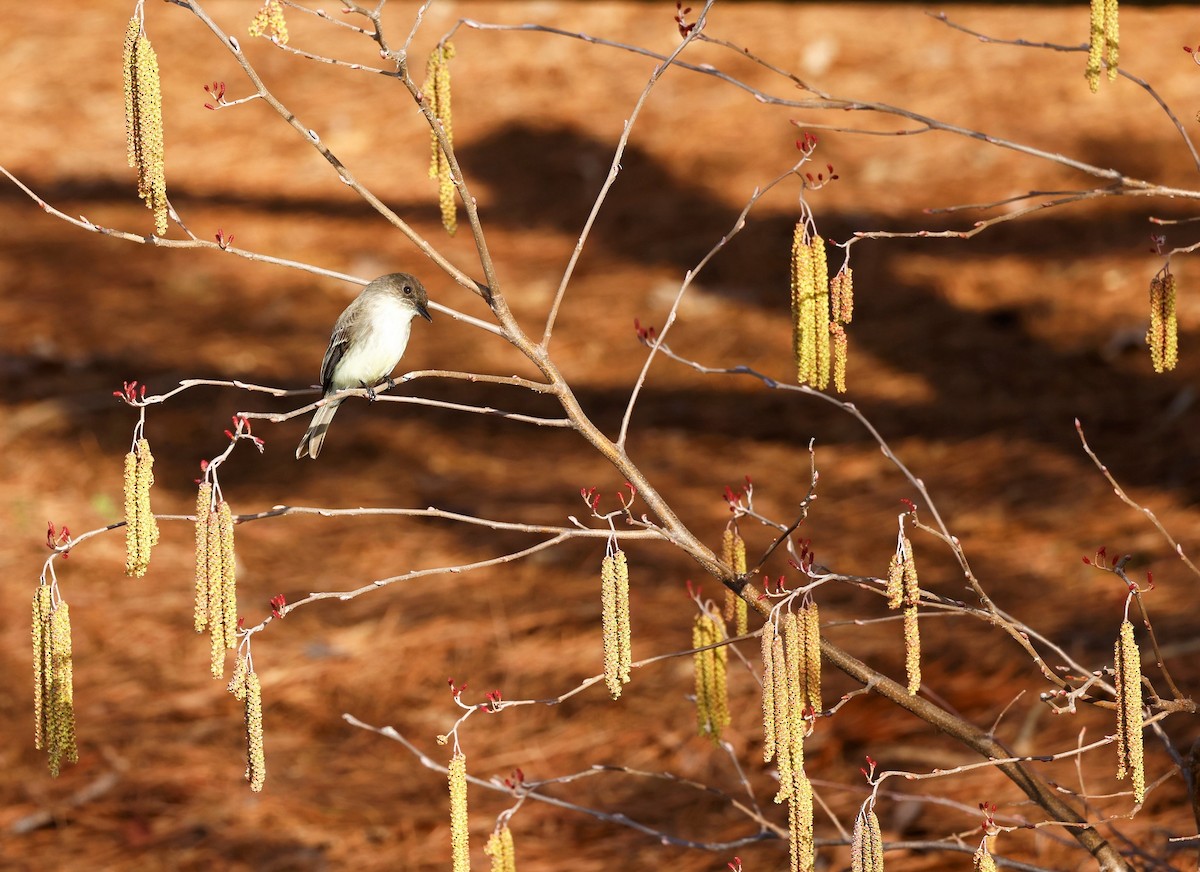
x,y
408,290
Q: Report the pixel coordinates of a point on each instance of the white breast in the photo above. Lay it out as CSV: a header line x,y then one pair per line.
x,y
383,336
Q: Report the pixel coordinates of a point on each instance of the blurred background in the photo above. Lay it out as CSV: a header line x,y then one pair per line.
x,y
972,358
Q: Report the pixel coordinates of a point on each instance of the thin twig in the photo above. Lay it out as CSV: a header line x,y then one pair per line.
x,y
532,792
614,169
1083,48
738,224
1134,504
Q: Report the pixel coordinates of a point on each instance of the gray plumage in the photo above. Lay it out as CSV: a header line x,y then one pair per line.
x,y
368,341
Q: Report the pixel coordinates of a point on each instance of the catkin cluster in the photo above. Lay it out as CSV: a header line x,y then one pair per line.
x,y
437,95
141,529
820,312
500,849
866,842
245,686
1128,665
733,552
614,600
903,591
801,847
216,577
1163,335
53,690
143,121
712,693
841,305
269,20
1104,42
982,860
460,846
791,654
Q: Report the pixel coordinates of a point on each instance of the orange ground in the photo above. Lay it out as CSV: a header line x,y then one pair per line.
x,y
972,358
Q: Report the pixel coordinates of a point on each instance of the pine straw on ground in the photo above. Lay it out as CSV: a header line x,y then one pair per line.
x,y
972,358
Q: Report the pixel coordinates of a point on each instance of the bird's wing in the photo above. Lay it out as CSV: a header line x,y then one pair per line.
x,y
338,343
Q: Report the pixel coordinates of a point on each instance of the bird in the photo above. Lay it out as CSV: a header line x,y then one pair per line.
x,y
368,341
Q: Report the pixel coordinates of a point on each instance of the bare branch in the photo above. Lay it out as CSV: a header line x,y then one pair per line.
x,y
1133,504
738,225
613,170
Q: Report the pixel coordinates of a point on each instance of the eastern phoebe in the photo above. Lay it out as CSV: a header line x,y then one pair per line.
x,y
368,341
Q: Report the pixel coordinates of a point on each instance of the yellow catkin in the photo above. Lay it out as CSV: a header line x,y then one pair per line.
x,y
741,611
1128,662
790,726
731,599
727,559
48,676
783,728
701,669
712,701
431,96
134,565
912,584
133,140
203,507
1122,752
216,615
793,647
982,860
866,843
147,525
720,691
624,636
802,849
437,95
739,554
269,21
1171,347
895,582
228,575
1112,38
460,846
841,296
810,637
733,551
1156,334
768,691
904,590
610,624
60,738
256,761
500,849
839,351
143,121
803,306
1163,334
154,185
237,684
1095,45
820,312
912,649
42,673
841,311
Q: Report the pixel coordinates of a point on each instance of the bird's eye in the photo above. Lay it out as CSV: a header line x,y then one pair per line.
x,y
408,289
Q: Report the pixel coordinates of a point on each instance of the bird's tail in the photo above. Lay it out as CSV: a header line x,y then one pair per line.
x,y
314,436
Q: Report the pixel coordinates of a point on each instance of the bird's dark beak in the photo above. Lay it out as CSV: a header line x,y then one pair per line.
x,y
424,312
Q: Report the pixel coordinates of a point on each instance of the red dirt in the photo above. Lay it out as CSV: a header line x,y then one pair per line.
x,y
972,358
